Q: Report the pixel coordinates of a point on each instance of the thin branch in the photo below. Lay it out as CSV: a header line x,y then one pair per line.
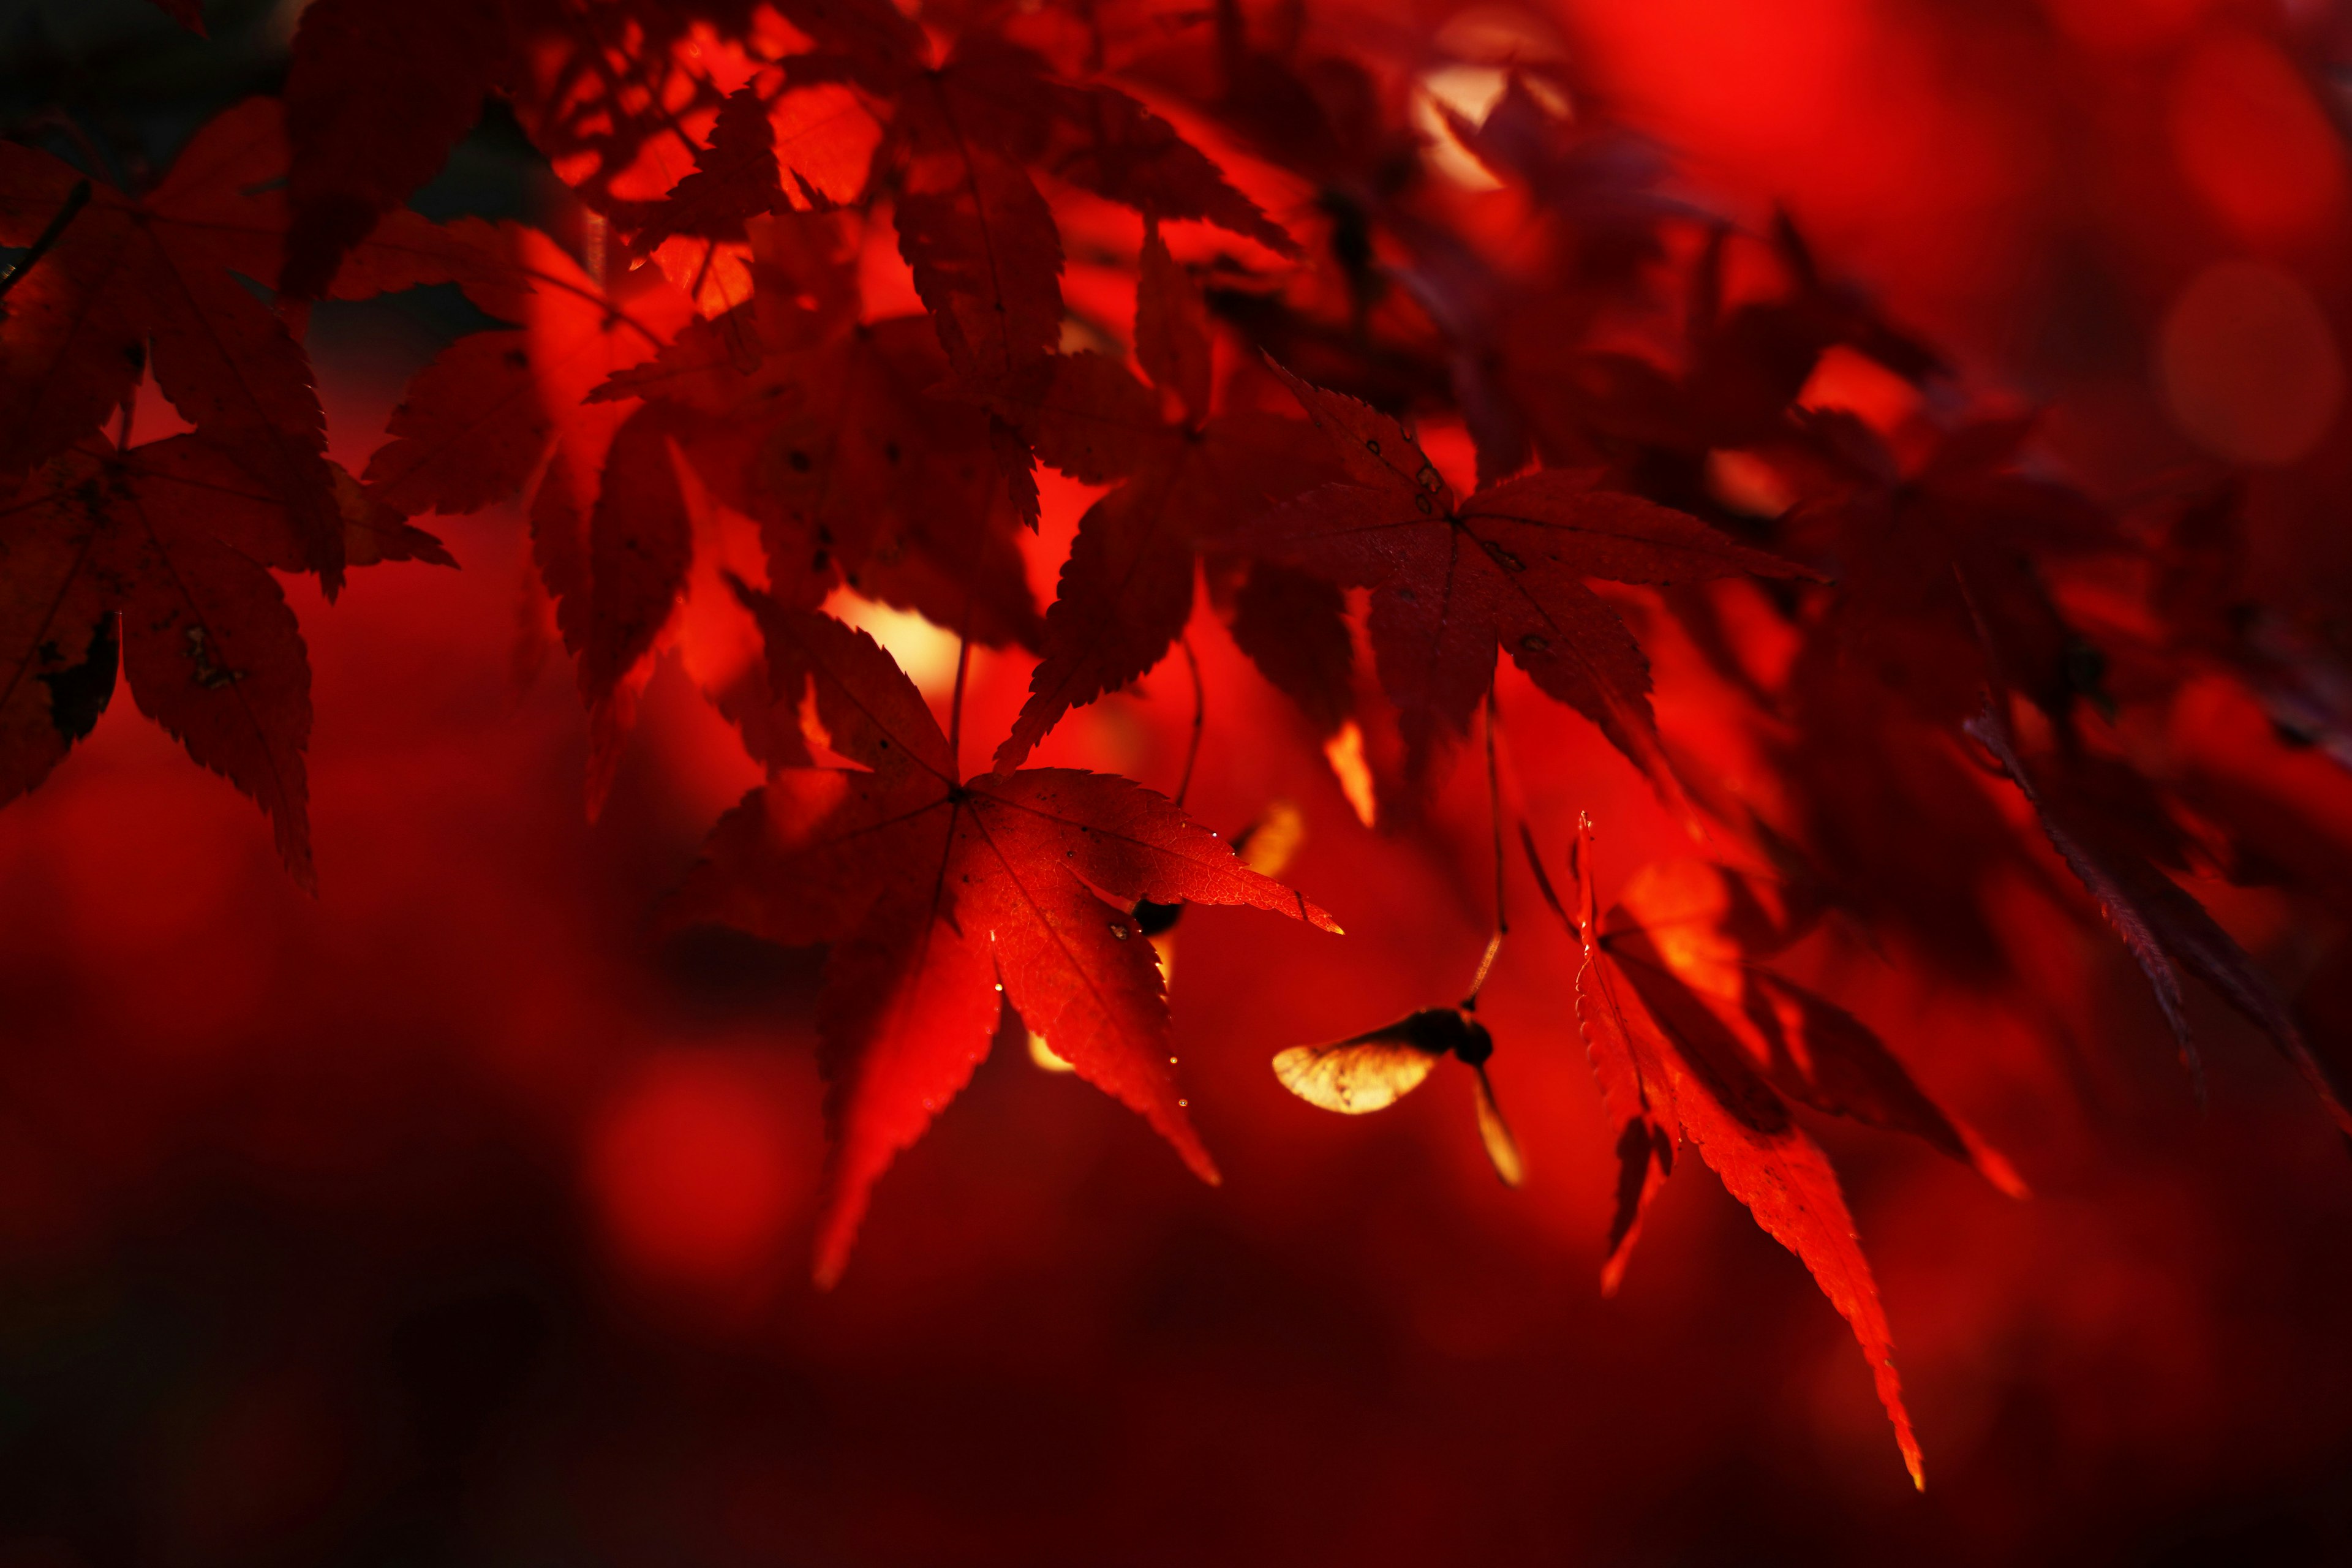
x,y
1543,878
963,669
1495,822
1479,980
1495,811
76,199
1200,715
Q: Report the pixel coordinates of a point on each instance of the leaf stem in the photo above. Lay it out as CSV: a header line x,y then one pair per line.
x,y
963,669
1495,810
1486,964
1495,822
1200,715
76,199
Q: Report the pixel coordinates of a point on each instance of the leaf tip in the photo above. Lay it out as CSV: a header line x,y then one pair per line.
x,y
1315,915
1994,1167
836,1232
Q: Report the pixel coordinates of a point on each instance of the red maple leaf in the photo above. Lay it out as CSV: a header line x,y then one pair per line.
x,y
827,433
139,283
980,238
152,283
610,529
1945,569
1126,591
164,551
945,900
1690,1039
376,96
735,177
1452,579
2163,927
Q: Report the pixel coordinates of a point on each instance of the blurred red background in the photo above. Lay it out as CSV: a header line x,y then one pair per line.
x,y
458,1216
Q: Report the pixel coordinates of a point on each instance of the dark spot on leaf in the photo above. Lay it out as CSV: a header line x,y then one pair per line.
x,y
209,674
1373,447
78,694
1533,644
799,461
1151,919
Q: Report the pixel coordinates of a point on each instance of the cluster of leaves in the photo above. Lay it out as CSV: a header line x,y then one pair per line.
x,y
815,339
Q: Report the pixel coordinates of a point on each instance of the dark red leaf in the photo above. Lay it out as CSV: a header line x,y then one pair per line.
x,y
937,891
1450,579
376,96
2163,928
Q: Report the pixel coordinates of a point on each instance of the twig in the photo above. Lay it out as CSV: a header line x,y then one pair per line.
x,y
1479,980
963,667
1543,878
1495,822
1495,814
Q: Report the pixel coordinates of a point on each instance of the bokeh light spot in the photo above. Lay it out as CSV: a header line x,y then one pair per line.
x,y
926,652
2248,365
2250,141
696,1170
1471,92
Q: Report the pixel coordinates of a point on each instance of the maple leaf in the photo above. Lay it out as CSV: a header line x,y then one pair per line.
x,y
1126,591
2163,927
1743,369
936,893
979,238
163,553
1451,579
1688,1038
1294,628
150,282
735,177
376,98
617,571
153,282
1601,179
477,422
610,527
1941,569
985,254
827,434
